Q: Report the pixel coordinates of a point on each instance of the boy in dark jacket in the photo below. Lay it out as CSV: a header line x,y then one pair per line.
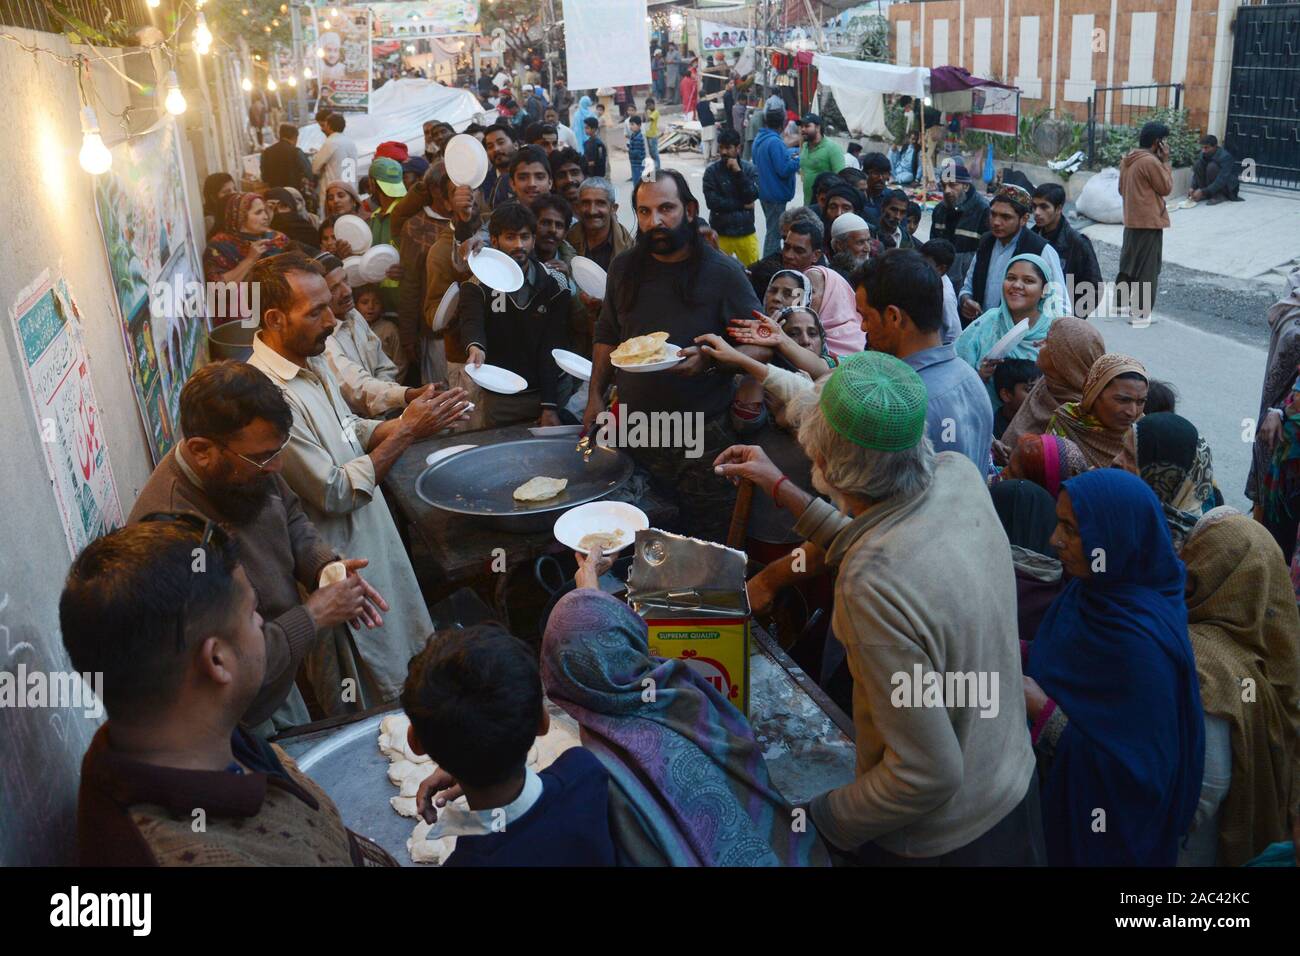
x,y
474,697
1078,258
595,158
730,191
517,330
635,147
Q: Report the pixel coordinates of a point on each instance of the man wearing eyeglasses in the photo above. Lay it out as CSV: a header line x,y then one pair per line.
x,y
227,469
335,462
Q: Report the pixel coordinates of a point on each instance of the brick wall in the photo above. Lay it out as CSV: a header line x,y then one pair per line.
x,y
1192,36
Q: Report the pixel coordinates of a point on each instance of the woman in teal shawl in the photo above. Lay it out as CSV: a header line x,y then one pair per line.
x,y
689,784
1027,292
579,121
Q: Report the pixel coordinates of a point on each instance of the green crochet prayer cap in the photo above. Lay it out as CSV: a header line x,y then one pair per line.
x,y
876,401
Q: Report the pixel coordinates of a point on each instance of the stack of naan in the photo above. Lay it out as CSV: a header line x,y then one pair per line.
x,y
643,350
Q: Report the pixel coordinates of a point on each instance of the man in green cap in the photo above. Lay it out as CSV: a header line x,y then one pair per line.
x,y
386,188
925,608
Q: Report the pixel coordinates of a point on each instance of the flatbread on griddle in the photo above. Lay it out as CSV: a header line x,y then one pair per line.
x,y
540,488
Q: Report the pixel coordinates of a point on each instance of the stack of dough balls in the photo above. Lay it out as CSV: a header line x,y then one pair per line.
x,y
407,770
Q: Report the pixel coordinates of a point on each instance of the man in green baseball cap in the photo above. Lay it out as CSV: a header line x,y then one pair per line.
x,y
925,614
386,188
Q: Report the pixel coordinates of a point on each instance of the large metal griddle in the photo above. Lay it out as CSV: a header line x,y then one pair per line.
x,y
480,482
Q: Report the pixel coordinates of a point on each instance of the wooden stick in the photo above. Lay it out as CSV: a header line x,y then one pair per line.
x,y
740,515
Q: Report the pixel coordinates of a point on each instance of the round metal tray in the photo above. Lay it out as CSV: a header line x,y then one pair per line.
x,y
480,482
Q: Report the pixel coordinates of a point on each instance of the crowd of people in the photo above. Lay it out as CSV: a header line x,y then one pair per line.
x,y
1035,522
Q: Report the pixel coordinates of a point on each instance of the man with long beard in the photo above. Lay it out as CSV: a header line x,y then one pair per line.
x,y
672,281
227,470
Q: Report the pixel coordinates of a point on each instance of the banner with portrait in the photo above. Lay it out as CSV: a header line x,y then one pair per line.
x,y
144,218
430,18
343,62
722,37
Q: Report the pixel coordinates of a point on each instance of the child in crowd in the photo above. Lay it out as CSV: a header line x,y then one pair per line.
x,y
1013,379
595,157
474,697
635,147
913,218
652,130
369,302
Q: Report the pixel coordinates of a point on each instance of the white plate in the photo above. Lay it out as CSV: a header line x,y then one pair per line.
x,y
447,307
496,379
589,276
555,431
438,456
496,270
1008,342
353,266
466,161
377,261
355,231
574,364
576,523
674,350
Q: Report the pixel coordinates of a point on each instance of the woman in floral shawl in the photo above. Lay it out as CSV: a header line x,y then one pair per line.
x,y
244,237
1175,461
1027,293
689,786
1101,422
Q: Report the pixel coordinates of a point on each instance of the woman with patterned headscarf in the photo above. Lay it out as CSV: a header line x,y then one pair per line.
x,y
1046,460
1242,621
1066,356
1175,461
244,237
1101,422
688,783
1027,295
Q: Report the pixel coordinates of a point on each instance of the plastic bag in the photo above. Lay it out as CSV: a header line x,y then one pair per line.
x,y
1100,199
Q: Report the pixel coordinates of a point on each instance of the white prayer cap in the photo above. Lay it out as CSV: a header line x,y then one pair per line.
x,y
846,223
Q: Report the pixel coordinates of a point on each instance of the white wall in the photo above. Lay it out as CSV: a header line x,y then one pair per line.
x,y
1027,77
50,224
1079,82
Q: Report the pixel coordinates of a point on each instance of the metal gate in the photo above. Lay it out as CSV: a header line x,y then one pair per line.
x,y
1263,130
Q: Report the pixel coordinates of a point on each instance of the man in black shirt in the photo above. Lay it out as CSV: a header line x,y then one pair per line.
x,y
283,163
595,158
672,281
517,330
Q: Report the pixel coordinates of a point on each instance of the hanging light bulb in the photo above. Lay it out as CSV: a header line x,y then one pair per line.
x,y
174,102
244,12
410,48
320,53
271,85
202,35
334,11
198,4
267,29
293,80
94,156
284,8
247,84
325,24
307,73
154,3
275,22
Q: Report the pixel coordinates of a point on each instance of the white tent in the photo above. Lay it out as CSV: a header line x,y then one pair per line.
x,y
398,111
858,87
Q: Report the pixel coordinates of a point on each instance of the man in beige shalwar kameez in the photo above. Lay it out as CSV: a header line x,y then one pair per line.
x,y
335,462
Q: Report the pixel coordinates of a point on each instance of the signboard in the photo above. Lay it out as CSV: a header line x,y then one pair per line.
x,y
722,37
994,110
431,18
145,221
606,43
48,327
344,69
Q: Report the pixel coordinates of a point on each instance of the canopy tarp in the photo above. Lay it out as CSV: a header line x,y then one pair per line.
x,y
989,106
858,87
398,111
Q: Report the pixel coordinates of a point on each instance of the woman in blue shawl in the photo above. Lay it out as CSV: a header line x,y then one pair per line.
x,y
690,785
1027,293
1111,685
579,126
